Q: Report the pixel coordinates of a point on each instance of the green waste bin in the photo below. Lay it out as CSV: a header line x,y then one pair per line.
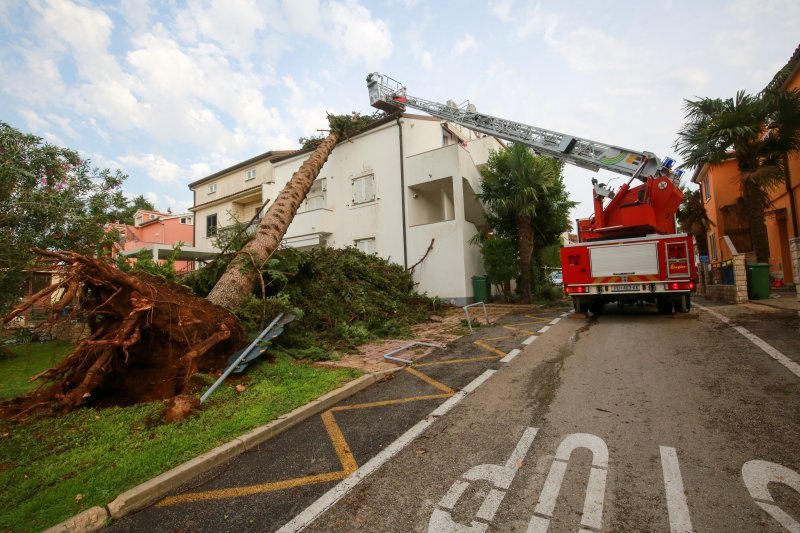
x,y
481,288
758,281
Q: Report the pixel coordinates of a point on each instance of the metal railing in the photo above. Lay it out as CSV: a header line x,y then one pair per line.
x,y
469,318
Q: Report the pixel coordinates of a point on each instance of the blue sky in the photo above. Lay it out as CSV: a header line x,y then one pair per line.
x,y
171,91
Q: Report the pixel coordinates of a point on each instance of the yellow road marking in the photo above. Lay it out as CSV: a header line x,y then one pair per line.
x,y
492,349
539,318
519,329
345,455
238,492
390,402
452,361
441,386
501,338
349,464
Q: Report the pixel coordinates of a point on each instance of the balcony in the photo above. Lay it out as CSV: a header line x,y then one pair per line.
x,y
312,222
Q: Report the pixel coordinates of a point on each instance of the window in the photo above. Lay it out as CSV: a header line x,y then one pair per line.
x,y
211,225
186,220
250,174
713,242
316,198
366,245
364,189
212,188
706,190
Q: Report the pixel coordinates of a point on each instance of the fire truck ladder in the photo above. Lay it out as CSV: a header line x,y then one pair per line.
x,y
390,95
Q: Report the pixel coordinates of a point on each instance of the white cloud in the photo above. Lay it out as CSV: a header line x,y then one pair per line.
x,y
157,167
177,206
151,197
357,35
233,24
696,78
464,45
589,49
501,9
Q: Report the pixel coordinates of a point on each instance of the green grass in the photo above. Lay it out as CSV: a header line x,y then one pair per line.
x,y
53,468
28,360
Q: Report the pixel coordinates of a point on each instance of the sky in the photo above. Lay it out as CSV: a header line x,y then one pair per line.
x,y
172,91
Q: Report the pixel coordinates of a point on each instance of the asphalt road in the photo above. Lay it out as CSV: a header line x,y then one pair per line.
x,y
631,421
662,413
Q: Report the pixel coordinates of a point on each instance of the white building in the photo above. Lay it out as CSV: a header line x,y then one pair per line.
x,y
405,185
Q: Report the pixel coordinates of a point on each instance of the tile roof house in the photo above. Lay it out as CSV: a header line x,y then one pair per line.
x,y
404,189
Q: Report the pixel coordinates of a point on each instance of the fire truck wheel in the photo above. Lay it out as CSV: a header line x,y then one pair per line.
x,y
664,306
684,304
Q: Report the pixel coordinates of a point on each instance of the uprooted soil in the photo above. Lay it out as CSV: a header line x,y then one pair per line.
x,y
146,338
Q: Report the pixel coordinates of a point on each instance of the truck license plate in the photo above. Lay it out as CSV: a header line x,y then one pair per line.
x,y
624,288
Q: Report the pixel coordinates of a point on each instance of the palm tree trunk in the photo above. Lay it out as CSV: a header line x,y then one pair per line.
x,y
788,181
755,214
525,247
238,281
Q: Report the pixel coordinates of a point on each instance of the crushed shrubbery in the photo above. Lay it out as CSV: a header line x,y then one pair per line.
x,y
341,297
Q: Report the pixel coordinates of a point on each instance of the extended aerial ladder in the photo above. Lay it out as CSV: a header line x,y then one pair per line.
x,y
649,208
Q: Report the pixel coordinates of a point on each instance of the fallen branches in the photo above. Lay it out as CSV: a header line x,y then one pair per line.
x,y
146,338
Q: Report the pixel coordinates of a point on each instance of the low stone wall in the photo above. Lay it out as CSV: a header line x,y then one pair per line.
x,y
736,293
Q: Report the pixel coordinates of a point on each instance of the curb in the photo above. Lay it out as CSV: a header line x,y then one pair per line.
x,y
148,492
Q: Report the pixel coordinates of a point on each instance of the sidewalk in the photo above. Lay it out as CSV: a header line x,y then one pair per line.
x,y
782,298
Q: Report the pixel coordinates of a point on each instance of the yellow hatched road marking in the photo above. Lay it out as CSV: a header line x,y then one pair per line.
x,y
238,492
492,349
518,329
539,318
349,464
452,361
501,338
343,452
390,402
441,386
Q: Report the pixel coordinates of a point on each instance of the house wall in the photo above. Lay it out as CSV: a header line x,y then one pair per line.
x,y
723,182
779,226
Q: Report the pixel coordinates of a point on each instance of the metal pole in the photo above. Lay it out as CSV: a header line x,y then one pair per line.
x,y
406,347
239,359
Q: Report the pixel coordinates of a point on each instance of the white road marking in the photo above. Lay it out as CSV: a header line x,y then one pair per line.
x,y
555,321
757,475
564,315
529,339
592,516
677,508
510,355
793,367
545,328
500,476
329,499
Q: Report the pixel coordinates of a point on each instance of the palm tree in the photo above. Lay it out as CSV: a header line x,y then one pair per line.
x,y
718,129
693,219
783,136
238,281
513,181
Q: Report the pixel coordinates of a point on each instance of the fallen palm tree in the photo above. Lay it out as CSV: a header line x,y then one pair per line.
x,y
148,336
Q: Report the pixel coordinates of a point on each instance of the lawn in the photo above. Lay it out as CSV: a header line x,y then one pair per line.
x,y
53,468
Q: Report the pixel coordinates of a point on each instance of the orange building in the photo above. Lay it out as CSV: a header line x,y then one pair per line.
x,y
158,232
721,193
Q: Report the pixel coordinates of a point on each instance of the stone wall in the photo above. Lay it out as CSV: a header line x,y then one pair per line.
x,y
736,293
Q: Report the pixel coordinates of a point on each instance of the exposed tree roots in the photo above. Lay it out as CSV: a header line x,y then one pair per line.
x,y
145,338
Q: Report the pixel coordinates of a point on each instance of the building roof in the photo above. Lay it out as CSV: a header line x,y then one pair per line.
x,y
783,75
268,156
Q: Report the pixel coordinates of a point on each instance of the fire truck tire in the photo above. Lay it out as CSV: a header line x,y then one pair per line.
x,y
664,306
579,306
684,304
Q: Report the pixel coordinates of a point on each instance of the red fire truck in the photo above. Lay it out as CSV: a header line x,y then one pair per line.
x,y
629,250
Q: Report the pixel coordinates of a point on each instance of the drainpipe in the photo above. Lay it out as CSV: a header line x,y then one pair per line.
x,y
402,192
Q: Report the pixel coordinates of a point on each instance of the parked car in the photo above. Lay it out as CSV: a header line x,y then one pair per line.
x,y
556,278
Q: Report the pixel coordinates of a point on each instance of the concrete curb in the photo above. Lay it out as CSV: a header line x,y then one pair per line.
x,y
150,491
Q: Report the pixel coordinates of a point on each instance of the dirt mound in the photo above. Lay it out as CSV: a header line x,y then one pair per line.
x,y
146,338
